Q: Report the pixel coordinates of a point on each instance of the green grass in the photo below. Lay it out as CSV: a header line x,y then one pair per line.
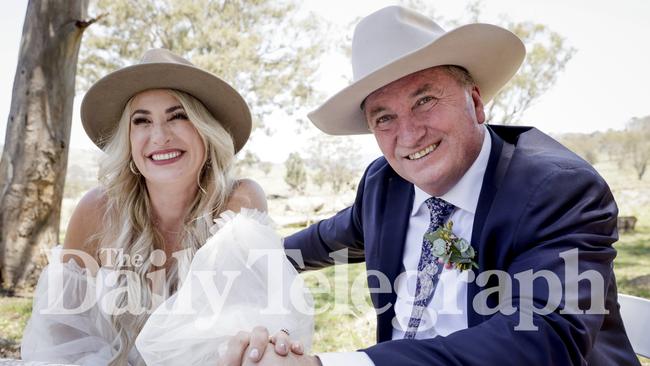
x,y
14,313
345,319
632,264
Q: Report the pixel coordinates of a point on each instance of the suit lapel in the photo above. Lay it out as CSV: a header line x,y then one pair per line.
x,y
392,234
500,156
489,187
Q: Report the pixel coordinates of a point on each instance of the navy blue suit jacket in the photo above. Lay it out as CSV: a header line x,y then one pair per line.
x,y
538,200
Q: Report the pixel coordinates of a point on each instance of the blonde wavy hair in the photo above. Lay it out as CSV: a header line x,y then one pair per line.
x,y
128,225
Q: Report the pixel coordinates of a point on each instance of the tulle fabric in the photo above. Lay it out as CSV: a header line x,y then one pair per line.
x,y
239,279
67,324
254,284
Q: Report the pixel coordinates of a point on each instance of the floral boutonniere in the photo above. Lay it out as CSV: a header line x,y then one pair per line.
x,y
450,249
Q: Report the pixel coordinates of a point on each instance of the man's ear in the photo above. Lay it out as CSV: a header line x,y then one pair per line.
x,y
479,109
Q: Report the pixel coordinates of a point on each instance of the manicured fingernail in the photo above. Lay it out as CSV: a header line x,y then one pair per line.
x,y
283,347
254,354
297,347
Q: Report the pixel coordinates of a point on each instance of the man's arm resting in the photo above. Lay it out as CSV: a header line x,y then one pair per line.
x,y
342,231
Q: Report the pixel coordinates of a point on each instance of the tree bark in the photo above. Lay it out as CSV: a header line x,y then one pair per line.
x,y
35,156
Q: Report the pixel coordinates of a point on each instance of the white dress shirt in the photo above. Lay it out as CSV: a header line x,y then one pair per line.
x,y
447,311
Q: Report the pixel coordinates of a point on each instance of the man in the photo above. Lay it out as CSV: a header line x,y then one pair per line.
x,y
523,201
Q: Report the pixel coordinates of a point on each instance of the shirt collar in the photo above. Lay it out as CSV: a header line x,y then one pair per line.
x,y
465,193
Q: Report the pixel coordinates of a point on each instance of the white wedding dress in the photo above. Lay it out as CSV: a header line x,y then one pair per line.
x,y
239,279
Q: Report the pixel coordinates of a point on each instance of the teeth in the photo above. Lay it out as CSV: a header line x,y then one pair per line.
x,y
166,156
423,152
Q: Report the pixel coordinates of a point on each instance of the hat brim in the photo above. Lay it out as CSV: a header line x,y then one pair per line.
x,y
103,104
491,54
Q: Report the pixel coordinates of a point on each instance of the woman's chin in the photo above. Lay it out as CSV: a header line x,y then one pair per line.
x,y
170,178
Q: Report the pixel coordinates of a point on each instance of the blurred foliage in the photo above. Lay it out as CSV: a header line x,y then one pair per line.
x,y
637,144
245,160
632,264
296,174
587,146
249,161
547,54
628,148
265,167
261,47
334,162
345,318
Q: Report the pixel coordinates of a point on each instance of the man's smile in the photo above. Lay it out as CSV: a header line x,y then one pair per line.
x,y
422,153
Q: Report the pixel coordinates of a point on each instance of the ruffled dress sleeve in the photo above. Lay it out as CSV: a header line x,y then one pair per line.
x,y
66,325
239,279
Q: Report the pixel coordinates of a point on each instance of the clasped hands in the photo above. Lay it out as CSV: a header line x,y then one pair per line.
x,y
256,348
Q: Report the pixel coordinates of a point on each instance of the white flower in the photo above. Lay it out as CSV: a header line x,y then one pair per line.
x,y
462,245
469,253
438,247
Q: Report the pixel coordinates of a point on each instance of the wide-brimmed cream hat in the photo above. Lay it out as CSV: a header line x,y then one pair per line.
x,y
395,42
103,104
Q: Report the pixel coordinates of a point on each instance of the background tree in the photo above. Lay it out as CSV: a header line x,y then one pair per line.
x,y
335,161
546,56
246,161
296,174
588,146
35,155
262,47
637,144
614,146
265,167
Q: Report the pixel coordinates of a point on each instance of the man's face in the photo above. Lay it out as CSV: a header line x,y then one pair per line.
x,y
427,126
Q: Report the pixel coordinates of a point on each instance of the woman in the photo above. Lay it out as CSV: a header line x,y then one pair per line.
x,y
170,132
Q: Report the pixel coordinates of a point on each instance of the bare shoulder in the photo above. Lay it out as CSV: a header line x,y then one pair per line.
x,y
84,223
247,194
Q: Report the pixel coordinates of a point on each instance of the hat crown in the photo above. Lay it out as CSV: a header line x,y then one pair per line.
x,y
162,55
104,102
387,35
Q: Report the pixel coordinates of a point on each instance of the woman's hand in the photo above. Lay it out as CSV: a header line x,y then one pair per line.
x,y
283,344
250,347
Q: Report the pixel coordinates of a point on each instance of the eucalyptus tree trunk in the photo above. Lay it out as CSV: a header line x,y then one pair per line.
x,y
35,156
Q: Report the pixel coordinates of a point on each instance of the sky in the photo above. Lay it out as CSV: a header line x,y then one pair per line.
x,y
603,86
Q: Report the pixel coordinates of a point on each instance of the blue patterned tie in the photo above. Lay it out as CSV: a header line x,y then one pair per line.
x,y
428,267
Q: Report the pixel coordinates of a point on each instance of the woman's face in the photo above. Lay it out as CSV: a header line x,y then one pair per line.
x,y
165,145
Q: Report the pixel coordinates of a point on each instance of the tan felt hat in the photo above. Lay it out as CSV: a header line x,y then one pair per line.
x,y
395,42
103,104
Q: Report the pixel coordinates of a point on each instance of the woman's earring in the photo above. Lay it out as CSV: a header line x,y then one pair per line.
x,y
133,168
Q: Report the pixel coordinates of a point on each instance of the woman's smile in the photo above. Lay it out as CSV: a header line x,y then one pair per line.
x,y
164,157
